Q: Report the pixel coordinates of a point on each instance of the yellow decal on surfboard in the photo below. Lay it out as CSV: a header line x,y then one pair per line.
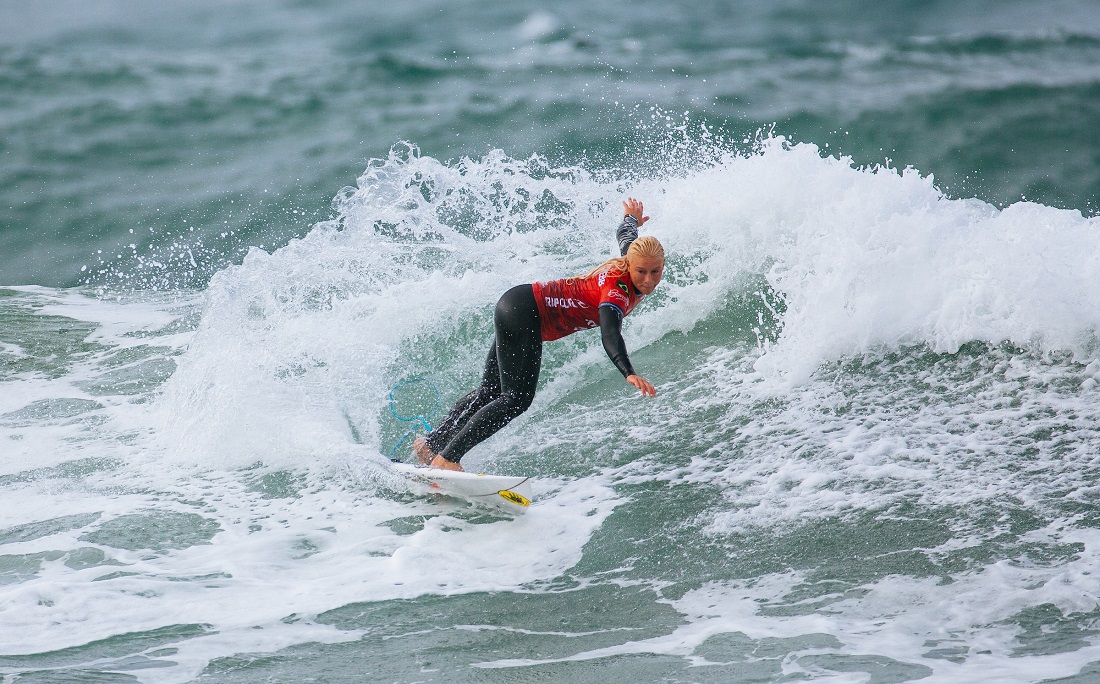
x,y
517,499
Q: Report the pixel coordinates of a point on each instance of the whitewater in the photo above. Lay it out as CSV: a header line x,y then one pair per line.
x,y
873,456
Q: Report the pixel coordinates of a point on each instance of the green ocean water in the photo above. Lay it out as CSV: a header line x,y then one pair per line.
x,y
229,231
182,123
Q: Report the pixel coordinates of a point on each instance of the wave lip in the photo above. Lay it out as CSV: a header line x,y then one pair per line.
x,y
871,258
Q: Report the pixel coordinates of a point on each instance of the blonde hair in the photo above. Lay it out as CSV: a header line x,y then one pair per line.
x,y
645,247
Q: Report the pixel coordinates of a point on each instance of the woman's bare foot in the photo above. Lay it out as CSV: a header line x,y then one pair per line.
x,y
444,464
423,452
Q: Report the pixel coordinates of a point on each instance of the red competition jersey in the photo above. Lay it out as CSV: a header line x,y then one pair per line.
x,y
572,304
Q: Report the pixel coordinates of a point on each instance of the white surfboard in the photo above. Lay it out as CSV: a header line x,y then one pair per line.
x,y
505,492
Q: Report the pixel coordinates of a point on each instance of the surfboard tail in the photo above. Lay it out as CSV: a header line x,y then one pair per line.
x,y
501,492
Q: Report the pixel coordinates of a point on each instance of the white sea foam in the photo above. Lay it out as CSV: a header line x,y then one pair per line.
x,y
876,258
274,558
862,260
287,373
961,631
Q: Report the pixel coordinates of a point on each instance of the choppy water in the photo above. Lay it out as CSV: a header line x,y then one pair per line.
x,y
873,457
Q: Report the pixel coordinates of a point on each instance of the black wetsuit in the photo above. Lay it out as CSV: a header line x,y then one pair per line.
x,y
512,367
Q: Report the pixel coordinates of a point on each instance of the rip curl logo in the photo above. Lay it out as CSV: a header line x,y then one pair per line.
x,y
564,303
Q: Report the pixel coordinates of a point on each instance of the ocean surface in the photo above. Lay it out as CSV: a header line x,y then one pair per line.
x,y
231,231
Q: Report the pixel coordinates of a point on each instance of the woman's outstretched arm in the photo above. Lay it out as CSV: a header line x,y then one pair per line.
x,y
633,218
611,325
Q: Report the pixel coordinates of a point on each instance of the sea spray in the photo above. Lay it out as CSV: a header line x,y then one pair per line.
x,y
852,261
850,365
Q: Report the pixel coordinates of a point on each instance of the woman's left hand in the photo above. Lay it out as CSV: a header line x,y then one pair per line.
x,y
647,389
633,207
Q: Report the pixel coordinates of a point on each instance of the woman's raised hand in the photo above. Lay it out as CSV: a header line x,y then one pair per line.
x,y
633,207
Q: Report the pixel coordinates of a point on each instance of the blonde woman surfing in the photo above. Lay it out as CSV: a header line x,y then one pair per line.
x,y
526,316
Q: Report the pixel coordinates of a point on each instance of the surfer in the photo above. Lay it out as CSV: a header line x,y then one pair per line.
x,y
528,315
